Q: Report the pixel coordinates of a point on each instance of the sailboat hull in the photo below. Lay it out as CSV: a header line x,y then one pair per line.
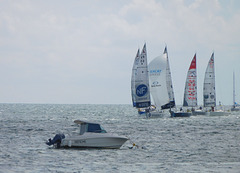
x,y
218,113
156,114
180,114
199,112
235,109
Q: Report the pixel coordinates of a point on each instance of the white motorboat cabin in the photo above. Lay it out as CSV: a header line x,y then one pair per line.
x,y
89,127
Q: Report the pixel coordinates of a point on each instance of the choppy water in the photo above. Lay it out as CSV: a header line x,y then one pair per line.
x,y
195,144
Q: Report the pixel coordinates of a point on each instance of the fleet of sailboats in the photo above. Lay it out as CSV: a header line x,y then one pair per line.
x,y
154,81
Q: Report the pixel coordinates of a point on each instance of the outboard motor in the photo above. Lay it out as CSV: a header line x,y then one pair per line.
x,y
57,139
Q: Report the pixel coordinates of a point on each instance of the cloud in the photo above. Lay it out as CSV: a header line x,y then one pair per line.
x,y
88,47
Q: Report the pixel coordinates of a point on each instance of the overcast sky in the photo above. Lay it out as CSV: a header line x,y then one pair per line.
x,y
82,52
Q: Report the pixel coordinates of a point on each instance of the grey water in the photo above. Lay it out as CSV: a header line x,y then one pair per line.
x,y
195,144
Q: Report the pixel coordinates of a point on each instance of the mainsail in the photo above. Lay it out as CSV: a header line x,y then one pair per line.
x,y
190,93
209,94
171,104
142,92
134,72
160,82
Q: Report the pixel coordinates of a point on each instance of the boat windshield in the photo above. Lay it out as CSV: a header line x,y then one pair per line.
x,y
95,128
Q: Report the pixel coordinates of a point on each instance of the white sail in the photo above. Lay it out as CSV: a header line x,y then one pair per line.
x,y
160,82
190,93
142,81
209,94
134,72
169,84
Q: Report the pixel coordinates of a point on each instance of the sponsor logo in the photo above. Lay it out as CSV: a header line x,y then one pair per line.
x,y
155,72
155,84
141,90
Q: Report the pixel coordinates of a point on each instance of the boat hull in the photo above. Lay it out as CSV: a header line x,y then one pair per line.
x,y
235,109
180,114
218,113
155,114
93,141
197,112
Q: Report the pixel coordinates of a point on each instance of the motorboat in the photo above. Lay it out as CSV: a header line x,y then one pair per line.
x,y
90,135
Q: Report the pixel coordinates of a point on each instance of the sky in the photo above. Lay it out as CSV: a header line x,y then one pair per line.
x,y
82,52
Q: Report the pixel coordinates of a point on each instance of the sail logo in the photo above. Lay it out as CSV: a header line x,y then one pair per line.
x,y
155,72
141,90
155,84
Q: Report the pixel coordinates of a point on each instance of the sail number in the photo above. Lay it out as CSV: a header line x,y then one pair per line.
x,y
141,90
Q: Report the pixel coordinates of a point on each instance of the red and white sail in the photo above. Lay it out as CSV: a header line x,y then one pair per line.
x,y
190,93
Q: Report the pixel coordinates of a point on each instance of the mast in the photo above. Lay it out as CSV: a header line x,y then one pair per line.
x,y
234,90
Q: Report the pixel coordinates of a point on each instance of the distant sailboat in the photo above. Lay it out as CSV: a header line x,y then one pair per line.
x,y
161,84
140,81
209,93
235,106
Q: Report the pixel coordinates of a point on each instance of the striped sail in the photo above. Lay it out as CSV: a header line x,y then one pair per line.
x,y
190,92
209,93
142,91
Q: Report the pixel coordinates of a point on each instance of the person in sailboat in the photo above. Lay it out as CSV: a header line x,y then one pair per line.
x,y
212,108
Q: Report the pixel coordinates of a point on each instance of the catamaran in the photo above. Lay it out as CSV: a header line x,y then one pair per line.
x,y
209,93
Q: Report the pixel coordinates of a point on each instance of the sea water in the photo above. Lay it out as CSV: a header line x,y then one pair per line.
x,y
195,144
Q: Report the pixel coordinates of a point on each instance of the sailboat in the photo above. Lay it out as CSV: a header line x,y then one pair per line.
x,y
209,93
140,82
235,107
161,88
190,92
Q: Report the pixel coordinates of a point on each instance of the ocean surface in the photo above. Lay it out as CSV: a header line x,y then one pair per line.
x,y
195,144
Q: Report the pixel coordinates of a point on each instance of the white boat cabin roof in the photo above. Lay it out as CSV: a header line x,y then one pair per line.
x,y
89,127
80,122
